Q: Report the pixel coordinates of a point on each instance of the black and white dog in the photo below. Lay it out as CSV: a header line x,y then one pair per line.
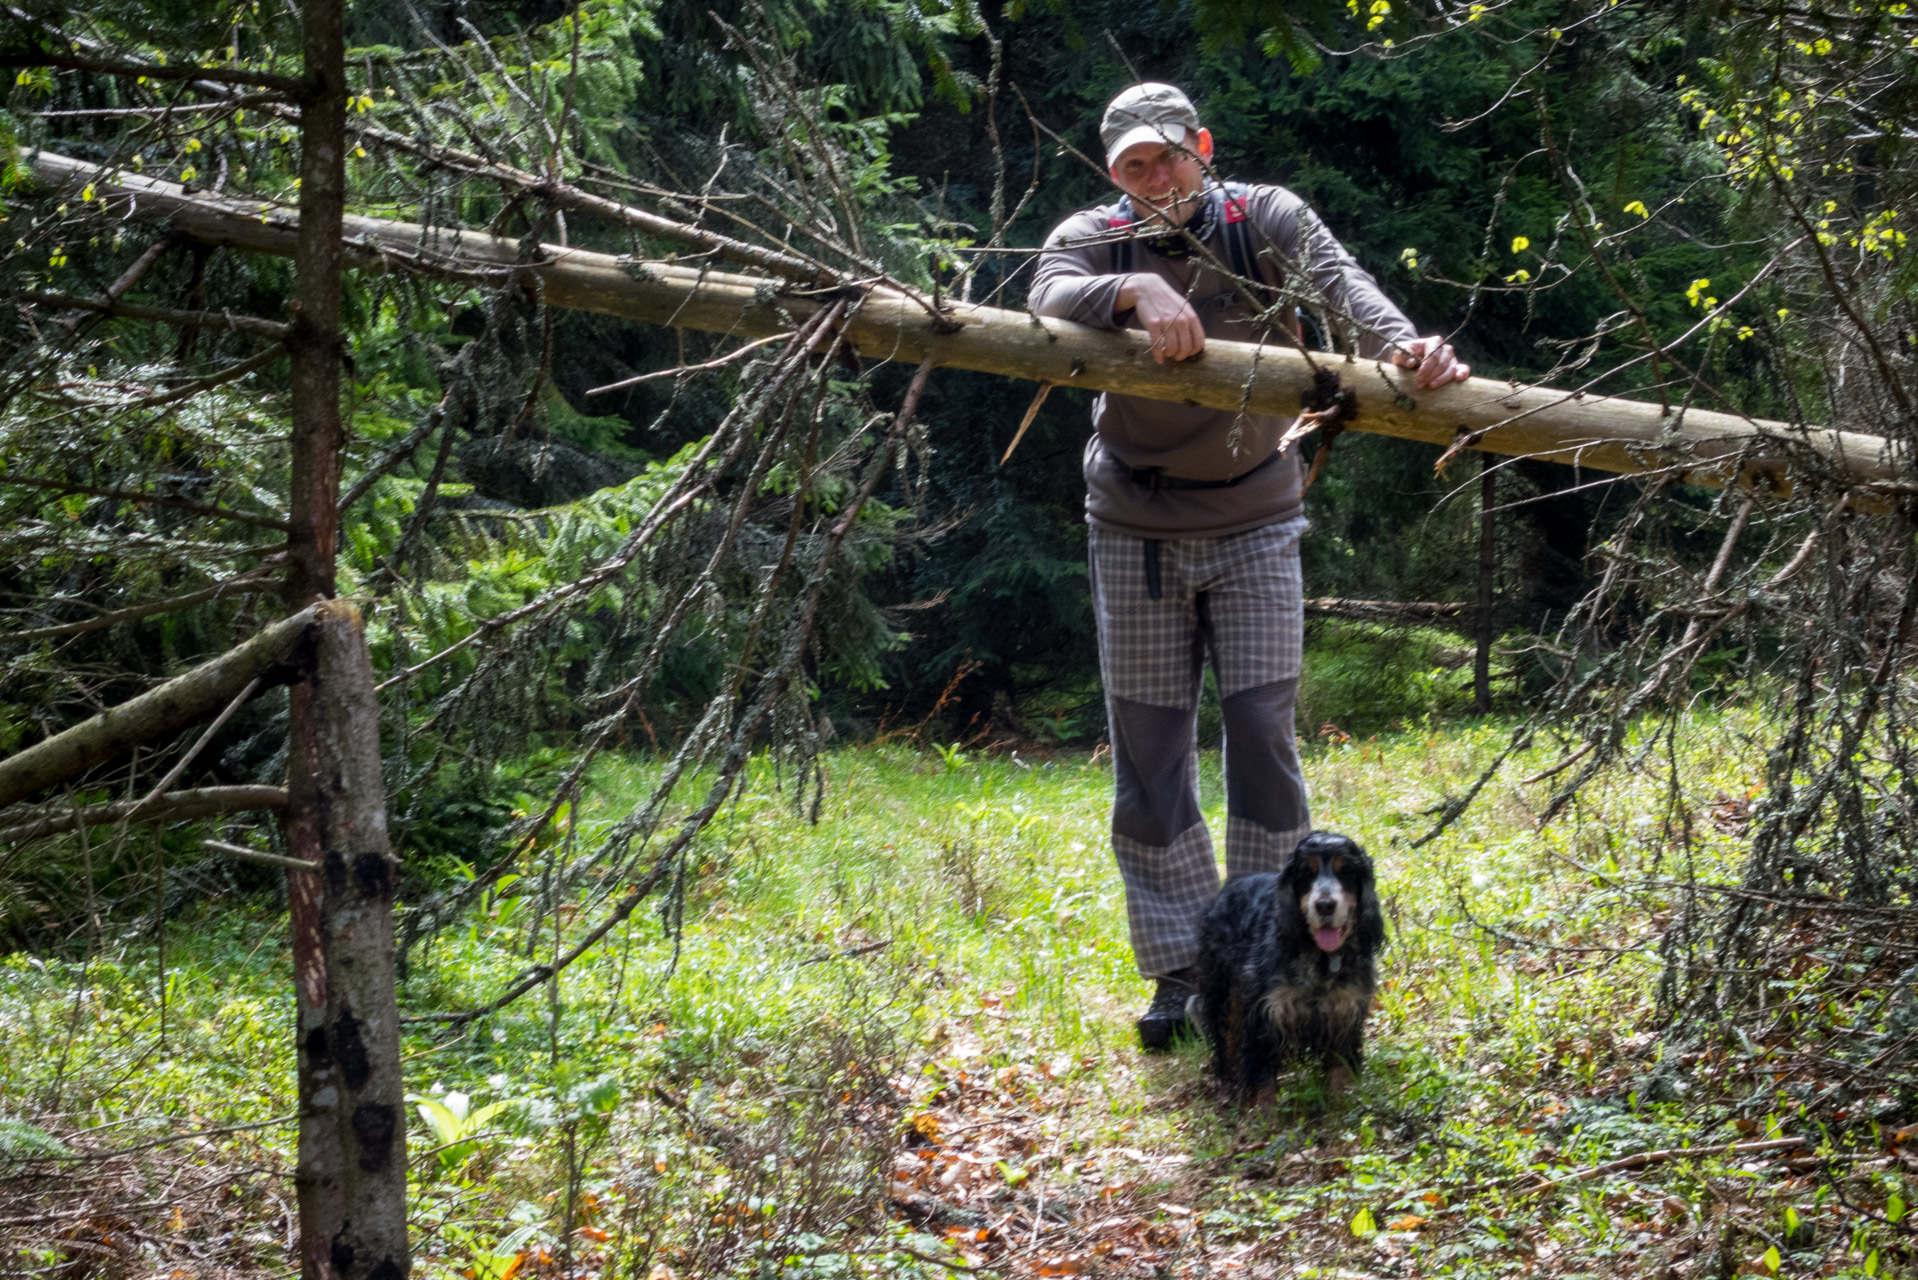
x,y
1286,967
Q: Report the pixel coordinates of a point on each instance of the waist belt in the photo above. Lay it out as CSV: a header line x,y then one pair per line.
x,y
1156,478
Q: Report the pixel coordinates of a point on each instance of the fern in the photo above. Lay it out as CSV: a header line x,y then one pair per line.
x,y
22,1141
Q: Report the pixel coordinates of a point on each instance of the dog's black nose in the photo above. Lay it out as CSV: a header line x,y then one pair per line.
x,y
1325,906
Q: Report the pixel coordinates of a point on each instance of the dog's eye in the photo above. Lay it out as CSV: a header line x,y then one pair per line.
x,y
1312,865
1338,865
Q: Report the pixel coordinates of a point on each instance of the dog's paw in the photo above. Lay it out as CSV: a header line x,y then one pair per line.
x,y
1266,1096
1338,1080
1195,1013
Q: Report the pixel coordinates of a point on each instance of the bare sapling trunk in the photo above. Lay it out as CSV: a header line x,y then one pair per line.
x,y
362,1023
351,1171
1487,565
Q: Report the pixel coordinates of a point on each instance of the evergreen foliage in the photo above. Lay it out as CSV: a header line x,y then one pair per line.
x,y
575,538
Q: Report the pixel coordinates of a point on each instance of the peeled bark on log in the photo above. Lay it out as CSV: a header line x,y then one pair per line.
x,y
179,702
1596,432
174,806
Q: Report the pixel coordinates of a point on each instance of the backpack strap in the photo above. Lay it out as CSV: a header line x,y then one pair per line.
x,y
1120,218
1241,253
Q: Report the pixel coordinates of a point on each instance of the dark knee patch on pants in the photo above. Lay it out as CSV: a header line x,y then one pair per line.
x,y
1152,771
1263,780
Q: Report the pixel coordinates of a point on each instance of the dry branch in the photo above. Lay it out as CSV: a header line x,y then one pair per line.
x,y
1439,613
244,585
1644,1158
273,860
1596,432
112,306
173,705
147,496
178,806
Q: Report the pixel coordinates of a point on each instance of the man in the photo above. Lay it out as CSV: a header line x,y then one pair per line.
x,y
1195,515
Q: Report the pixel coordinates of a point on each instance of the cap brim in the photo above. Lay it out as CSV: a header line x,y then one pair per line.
x,y
1169,135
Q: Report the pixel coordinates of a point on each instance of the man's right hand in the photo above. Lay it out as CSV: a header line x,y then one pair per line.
x,y
1168,318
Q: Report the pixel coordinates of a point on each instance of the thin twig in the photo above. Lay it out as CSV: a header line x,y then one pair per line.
x,y
1645,1158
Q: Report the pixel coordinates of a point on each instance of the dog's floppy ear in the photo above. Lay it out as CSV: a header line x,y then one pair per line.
x,y
1371,926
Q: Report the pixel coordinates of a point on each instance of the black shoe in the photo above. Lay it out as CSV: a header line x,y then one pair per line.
x,y
1165,1022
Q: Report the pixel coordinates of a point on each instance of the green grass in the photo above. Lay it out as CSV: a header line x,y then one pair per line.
x,y
946,949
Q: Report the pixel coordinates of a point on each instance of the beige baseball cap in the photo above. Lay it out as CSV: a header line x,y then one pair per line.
x,y
1149,112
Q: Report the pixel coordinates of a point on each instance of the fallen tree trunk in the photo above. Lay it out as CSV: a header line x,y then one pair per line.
x,y
174,806
179,702
1596,432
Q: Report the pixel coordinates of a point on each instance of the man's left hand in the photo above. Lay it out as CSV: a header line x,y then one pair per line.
x,y
1437,364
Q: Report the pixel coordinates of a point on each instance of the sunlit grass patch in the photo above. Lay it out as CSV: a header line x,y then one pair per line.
x,y
925,1001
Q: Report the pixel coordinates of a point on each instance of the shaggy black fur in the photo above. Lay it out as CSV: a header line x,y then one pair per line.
x,y
1269,993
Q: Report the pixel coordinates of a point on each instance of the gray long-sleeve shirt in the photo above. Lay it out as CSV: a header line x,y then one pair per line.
x,y
1076,281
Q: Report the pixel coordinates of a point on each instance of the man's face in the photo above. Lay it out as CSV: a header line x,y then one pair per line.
x,y
1158,176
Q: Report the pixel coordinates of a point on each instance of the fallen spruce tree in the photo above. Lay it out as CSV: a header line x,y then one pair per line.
x,y
1694,445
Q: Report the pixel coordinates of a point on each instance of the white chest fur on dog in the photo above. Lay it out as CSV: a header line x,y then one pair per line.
x,y
1306,995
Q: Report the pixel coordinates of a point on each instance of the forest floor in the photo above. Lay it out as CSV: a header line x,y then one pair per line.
x,y
898,1041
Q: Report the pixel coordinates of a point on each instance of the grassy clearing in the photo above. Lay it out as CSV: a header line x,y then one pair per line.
x,y
898,1041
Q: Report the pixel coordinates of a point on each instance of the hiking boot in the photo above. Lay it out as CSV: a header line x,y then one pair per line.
x,y
1165,1022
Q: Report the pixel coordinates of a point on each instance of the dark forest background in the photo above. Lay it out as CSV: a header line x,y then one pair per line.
x,y
989,611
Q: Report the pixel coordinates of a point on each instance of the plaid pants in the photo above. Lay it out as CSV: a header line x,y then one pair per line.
x,y
1162,608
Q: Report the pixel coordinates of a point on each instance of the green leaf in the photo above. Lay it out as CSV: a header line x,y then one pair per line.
x,y
1772,1258
446,1126
1364,1224
1791,1219
1896,1208
477,1121
603,1096
1871,1263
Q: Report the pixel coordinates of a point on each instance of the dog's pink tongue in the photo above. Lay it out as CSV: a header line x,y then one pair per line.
x,y
1328,939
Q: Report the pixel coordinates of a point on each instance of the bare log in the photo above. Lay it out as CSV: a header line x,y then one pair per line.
x,y
1397,613
177,806
173,705
1596,432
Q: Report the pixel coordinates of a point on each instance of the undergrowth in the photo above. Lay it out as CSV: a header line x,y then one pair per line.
x,y
897,1041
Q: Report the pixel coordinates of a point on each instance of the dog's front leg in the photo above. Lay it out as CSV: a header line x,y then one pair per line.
x,y
1259,1055
1344,1051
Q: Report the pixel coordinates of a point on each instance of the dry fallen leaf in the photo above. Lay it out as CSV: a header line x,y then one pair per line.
x,y
1410,1222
